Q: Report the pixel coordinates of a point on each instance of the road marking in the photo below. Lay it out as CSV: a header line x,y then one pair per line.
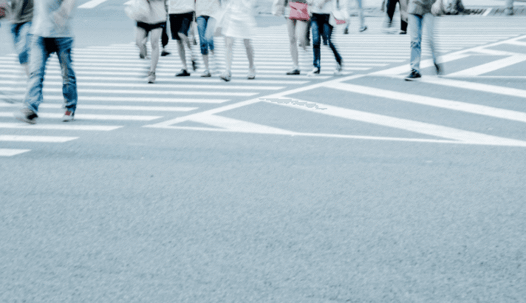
x,y
430,101
517,43
46,139
489,67
92,117
423,64
7,152
91,4
68,126
489,10
239,126
488,88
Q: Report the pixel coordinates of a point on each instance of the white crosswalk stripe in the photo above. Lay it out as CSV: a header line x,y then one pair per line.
x,y
112,79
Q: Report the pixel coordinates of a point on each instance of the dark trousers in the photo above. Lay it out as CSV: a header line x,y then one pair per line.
x,y
391,7
321,27
164,35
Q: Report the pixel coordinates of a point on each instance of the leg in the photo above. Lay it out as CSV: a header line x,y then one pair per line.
x,y
164,35
509,7
38,59
69,81
391,7
140,37
316,40
183,36
202,23
327,28
250,56
22,40
429,26
155,34
229,43
415,30
359,6
291,28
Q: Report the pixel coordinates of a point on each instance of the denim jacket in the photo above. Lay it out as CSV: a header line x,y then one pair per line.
x,y
420,7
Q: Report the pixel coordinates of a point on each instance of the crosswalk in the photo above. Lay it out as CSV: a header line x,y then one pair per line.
x,y
113,92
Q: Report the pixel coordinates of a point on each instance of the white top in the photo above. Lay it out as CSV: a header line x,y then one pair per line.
x,y
157,12
207,7
44,24
181,6
327,8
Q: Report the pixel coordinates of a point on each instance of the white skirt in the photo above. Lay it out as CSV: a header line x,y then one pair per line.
x,y
238,24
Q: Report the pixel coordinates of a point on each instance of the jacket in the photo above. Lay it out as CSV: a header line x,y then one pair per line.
x,y
420,7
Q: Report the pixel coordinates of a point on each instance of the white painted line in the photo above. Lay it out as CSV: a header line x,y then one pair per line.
x,y
82,116
65,126
487,12
430,101
112,107
91,4
6,152
240,126
488,88
46,139
423,64
490,67
519,43
412,126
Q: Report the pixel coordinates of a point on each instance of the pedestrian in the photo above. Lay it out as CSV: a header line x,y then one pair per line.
x,y
205,25
165,40
238,22
51,34
20,13
391,7
181,16
321,13
509,7
420,16
297,26
363,27
152,26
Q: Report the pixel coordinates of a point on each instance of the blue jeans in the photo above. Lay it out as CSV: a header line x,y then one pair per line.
x,y
205,37
416,22
320,26
41,49
22,40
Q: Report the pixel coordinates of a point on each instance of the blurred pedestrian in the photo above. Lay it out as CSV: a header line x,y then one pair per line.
x,y
181,17
238,22
20,13
359,8
321,14
509,7
391,7
205,25
152,26
420,17
297,26
51,34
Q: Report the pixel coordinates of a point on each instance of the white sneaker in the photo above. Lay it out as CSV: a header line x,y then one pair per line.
x,y
339,69
251,74
314,72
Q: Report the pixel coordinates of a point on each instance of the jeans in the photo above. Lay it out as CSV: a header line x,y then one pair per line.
x,y
415,30
360,14
41,49
206,38
22,40
320,26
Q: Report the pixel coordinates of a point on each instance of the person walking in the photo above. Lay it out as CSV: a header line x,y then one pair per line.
x,y
297,26
363,27
420,17
391,7
205,25
181,17
321,13
51,34
152,26
20,13
238,22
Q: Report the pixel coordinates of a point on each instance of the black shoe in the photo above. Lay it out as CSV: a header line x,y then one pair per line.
x,y
165,53
414,75
182,73
26,115
346,31
403,32
363,28
438,69
293,72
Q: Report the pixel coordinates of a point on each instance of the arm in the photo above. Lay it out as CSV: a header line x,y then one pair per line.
x,y
64,12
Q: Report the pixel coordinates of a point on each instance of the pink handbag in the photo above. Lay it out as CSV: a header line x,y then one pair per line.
x,y
299,11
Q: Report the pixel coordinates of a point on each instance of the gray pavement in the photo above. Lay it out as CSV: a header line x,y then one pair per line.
x,y
200,191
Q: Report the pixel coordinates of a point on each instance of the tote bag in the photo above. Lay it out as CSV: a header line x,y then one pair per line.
x,y
138,10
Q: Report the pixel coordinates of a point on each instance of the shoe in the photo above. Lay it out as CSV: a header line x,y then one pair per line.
x,y
194,65
438,69
183,73
314,72
251,74
151,77
143,51
414,75
339,68
165,53
206,74
403,32
346,31
363,28
26,115
68,116
226,76
508,12
294,71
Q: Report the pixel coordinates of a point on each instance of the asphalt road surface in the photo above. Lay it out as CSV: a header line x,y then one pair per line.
x,y
353,188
